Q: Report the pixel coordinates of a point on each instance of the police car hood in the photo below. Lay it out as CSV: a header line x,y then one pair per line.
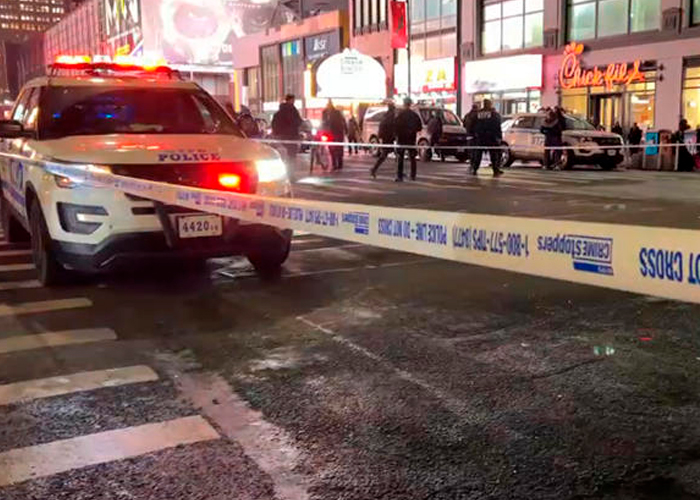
x,y
122,149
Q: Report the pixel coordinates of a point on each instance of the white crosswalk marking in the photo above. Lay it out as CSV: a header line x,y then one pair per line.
x,y
15,253
16,267
55,339
78,382
61,456
44,306
307,241
19,285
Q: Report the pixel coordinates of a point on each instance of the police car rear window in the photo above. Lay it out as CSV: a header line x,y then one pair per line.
x,y
91,110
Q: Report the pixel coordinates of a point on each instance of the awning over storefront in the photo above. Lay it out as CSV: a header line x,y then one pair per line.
x,y
351,75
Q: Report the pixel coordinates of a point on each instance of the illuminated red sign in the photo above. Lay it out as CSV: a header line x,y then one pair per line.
x,y
572,75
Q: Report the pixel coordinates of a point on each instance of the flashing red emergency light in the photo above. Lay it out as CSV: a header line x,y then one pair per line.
x,y
116,63
325,137
230,181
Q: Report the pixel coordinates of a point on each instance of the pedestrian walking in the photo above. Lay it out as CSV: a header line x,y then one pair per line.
x,y
469,121
635,137
552,128
286,124
435,132
332,121
408,125
487,130
354,134
387,135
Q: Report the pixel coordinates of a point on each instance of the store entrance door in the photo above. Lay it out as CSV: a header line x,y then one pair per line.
x,y
607,110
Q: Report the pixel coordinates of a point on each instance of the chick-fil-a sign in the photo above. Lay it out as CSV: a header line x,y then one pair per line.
x,y
572,75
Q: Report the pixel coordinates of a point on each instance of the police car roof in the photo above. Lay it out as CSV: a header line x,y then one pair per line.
x,y
139,81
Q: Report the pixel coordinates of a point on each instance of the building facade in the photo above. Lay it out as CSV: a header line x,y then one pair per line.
x,y
610,61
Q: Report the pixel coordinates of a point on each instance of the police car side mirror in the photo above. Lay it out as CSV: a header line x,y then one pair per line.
x,y
12,129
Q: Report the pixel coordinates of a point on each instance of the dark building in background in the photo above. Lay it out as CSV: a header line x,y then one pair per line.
x,y
22,24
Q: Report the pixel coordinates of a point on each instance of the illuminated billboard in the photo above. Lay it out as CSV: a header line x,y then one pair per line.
x,y
122,25
202,32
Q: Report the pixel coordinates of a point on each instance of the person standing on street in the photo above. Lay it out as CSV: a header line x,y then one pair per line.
x,y
552,129
685,161
353,134
487,130
387,135
635,137
435,132
332,121
617,129
286,124
469,122
408,125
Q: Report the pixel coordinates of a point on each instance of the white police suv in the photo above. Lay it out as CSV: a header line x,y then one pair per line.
x,y
138,121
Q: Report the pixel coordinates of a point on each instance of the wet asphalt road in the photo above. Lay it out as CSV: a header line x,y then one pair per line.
x,y
363,373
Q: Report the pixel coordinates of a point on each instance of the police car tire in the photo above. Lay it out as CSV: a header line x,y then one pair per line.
x,y
49,270
13,230
268,262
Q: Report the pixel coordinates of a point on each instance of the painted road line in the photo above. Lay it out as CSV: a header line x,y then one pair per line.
x,y
308,241
43,306
43,460
55,339
311,192
21,392
19,285
324,249
356,189
15,253
16,267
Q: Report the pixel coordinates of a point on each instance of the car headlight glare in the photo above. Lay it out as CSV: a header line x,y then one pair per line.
x,y
271,170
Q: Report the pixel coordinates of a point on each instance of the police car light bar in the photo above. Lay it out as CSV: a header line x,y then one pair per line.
x,y
116,63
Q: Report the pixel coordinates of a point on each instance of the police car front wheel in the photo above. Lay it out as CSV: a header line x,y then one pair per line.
x,y
49,270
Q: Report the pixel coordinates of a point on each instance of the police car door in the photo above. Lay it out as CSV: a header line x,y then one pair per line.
x,y
14,172
537,138
520,136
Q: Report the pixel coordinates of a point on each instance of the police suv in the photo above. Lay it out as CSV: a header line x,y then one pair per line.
x,y
139,121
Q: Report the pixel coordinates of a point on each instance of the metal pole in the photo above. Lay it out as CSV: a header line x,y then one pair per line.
x,y
458,74
408,43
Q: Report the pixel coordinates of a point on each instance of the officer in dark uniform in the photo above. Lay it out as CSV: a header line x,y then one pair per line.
x,y
487,129
408,125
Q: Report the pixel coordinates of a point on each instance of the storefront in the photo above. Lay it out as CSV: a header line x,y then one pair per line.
x,y
691,91
433,81
621,92
352,80
513,84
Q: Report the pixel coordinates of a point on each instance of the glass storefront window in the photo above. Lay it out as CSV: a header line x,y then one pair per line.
x,y
511,25
612,14
581,21
600,18
691,95
696,12
512,102
645,15
575,102
271,73
293,68
417,11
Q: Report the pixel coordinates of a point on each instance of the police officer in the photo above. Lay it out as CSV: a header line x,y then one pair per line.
x,y
387,134
408,125
487,129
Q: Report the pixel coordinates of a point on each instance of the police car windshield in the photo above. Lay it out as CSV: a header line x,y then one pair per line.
x,y
93,110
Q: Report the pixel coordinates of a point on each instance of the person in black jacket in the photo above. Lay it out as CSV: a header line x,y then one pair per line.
x,y
635,137
387,135
408,124
435,132
469,121
489,136
332,121
552,128
286,124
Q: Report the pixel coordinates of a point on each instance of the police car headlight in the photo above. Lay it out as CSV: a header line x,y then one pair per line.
x,y
271,170
68,180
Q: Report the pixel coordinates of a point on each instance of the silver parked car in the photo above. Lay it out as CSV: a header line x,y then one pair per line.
x,y
522,136
453,132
